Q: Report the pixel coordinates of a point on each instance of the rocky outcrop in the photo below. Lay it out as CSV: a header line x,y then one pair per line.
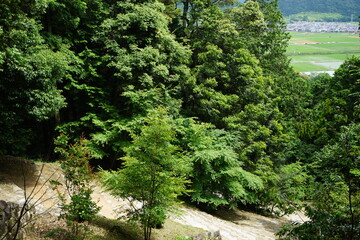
x,y
208,236
15,220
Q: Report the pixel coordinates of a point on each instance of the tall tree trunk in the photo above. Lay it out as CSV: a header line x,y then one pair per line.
x,y
351,213
185,13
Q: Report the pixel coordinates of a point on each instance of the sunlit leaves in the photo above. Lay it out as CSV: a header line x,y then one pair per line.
x,y
218,178
141,55
154,171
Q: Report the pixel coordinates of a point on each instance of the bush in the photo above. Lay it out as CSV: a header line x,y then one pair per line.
x,y
75,163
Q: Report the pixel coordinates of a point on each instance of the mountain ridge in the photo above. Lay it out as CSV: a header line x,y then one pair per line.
x,y
349,9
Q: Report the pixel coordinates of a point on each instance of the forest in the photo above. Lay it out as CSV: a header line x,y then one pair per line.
x,y
345,8
195,103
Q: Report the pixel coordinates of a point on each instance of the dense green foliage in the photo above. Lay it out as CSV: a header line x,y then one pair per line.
x,y
218,177
331,132
180,97
29,73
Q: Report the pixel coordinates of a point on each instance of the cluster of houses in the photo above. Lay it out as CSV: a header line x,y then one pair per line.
x,y
323,27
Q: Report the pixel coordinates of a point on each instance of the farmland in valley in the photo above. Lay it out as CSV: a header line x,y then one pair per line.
x,y
321,51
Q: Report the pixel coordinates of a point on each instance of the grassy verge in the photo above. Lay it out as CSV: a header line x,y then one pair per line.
x,y
101,228
120,230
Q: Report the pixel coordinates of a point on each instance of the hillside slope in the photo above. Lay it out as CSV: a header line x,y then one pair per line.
x,y
233,225
344,7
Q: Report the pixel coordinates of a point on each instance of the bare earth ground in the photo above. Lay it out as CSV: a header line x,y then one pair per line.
x,y
233,225
302,42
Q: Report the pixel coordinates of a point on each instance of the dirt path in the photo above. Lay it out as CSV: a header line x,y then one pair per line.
x,y
19,176
233,225
242,226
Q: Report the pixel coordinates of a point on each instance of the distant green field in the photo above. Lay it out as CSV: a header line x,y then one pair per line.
x,y
324,37
333,47
321,51
323,57
308,67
